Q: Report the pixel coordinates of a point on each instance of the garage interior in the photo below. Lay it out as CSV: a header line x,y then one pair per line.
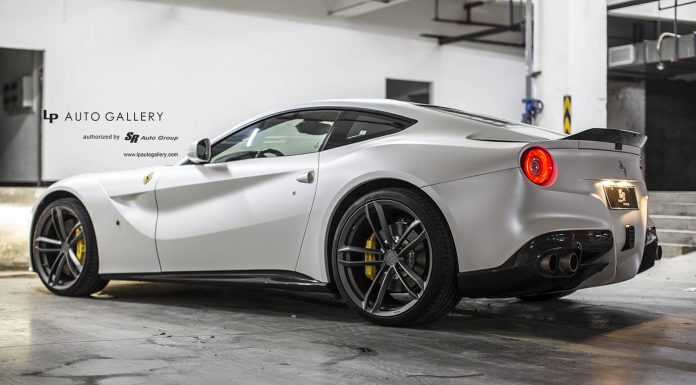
x,y
623,64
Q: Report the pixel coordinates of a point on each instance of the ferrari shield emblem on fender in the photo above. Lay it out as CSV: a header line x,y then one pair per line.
x,y
148,178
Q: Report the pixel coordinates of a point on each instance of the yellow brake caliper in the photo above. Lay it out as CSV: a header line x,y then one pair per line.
x,y
371,243
80,246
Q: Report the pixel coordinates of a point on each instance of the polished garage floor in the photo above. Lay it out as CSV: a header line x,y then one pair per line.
x,y
641,331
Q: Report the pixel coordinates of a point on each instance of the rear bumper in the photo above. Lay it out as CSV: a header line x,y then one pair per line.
x,y
492,215
523,274
652,251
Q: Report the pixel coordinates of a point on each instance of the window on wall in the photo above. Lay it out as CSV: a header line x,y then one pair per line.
x,y
409,90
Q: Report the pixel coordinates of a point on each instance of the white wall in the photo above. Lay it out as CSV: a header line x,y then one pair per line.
x,y
209,68
571,53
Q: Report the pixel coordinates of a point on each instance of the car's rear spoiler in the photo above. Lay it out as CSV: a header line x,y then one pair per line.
x,y
609,135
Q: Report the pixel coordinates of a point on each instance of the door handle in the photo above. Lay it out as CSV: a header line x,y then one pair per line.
x,y
306,177
216,166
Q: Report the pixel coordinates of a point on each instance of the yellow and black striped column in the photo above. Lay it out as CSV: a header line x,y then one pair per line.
x,y
566,114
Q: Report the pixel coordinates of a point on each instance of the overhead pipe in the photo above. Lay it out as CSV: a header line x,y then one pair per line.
x,y
475,37
511,26
528,46
532,107
674,34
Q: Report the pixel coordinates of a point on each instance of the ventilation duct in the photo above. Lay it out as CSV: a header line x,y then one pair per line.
x,y
646,58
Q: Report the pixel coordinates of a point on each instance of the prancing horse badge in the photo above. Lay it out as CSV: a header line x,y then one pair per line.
x,y
148,178
623,169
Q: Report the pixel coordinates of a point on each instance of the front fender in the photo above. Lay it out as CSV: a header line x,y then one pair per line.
x,y
123,212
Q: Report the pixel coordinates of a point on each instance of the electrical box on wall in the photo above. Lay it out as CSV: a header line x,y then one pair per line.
x,y
17,95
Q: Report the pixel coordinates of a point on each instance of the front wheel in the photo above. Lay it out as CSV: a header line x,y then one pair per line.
x,y
394,260
64,249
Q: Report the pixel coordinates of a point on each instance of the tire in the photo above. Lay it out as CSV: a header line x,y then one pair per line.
x,y
74,242
545,296
383,286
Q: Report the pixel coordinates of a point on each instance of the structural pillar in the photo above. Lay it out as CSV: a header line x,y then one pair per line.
x,y
570,49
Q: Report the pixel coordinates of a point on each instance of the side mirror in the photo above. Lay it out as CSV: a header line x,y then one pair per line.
x,y
199,152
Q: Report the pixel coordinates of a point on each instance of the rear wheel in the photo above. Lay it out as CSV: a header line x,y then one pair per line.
x,y
393,259
64,249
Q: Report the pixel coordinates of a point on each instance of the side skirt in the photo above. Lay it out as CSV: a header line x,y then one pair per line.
x,y
277,279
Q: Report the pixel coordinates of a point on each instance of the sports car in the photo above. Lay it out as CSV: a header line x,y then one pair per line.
x,y
399,208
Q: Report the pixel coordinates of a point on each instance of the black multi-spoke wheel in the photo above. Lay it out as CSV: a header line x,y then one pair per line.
x,y
64,251
394,260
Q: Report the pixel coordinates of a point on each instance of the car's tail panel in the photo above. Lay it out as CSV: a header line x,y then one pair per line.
x,y
612,174
516,211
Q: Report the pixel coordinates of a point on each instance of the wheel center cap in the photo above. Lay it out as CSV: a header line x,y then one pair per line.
x,y
390,258
64,248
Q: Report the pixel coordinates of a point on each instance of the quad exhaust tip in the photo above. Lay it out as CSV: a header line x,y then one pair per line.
x,y
565,264
568,264
549,263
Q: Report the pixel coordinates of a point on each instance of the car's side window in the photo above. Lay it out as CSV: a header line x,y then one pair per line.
x,y
288,134
356,126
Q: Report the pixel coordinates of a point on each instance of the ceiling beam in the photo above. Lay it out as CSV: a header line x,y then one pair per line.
x,y
629,3
474,36
351,8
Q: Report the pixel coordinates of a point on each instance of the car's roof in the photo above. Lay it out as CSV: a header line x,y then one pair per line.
x,y
406,109
434,117
431,113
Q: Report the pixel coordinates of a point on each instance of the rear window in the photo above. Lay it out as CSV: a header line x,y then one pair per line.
x,y
356,126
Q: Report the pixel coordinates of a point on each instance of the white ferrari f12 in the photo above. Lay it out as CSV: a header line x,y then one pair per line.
x,y
401,208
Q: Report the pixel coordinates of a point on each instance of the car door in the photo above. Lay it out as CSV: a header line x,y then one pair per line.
x,y
248,208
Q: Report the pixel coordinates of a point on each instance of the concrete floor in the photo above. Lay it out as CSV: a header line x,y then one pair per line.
x,y
638,332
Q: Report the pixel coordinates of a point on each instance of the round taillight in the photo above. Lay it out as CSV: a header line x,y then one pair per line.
x,y
538,165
